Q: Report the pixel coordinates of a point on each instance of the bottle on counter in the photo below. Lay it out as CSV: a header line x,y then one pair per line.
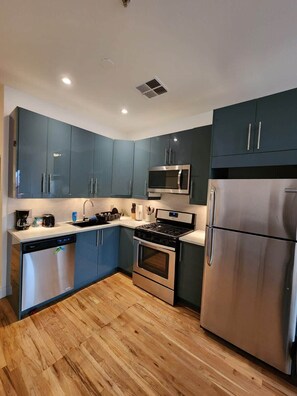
x,y
133,211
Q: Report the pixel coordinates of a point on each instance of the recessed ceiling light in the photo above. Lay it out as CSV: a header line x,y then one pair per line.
x,y
66,81
124,111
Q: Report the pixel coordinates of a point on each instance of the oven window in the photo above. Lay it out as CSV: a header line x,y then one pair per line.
x,y
154,261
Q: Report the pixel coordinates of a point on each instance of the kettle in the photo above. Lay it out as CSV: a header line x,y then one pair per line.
x,y
139,212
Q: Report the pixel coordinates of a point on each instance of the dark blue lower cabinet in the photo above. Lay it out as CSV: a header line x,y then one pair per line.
x,y
96,255
126,250
189,274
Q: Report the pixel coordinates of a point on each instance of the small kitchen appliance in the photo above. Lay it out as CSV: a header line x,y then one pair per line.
x,y
48,220
21,217
156,251
173,179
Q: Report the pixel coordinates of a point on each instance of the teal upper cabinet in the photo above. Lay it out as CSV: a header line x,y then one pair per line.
x,y
102,166
200,163
233,129
58,158
173,149
276,122
122,169
39,157
82,162
264,128
141,166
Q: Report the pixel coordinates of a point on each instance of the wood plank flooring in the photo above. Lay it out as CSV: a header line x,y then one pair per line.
x,y
114,339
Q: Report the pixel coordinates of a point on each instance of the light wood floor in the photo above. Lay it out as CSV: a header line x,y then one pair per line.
x,y
114,339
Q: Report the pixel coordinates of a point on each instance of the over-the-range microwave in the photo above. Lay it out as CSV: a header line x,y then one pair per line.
x,y
173,179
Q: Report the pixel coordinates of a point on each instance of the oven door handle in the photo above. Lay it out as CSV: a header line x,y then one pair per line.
x,y
154,245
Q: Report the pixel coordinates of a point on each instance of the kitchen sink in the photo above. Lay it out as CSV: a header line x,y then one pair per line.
x,y
88,223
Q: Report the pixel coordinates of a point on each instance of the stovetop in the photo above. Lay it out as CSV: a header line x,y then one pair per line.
x,y
165,229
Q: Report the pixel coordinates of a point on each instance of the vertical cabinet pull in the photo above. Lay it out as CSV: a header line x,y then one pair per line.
x,y
43,182
249,138
170,156
259,135
191,189
180,252
97,238
91,185
130,187
145,188
95,186
49,183
102,238
165,159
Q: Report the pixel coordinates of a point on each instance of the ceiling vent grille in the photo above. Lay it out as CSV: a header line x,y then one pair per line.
x,y
152,88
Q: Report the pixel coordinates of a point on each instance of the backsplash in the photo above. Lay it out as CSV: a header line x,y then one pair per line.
x,y
63,208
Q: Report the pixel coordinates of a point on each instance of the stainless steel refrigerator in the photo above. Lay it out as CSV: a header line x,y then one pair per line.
x,y
250,281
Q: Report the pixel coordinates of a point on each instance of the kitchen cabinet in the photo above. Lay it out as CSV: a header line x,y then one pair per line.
x,y
82,162
103,149
200,163
189,274
261,132
39,156
122,169
58,159
141,167
96,255
126,250
173,149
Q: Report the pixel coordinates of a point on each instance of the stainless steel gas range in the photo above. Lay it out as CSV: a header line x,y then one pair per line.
x,y
156,248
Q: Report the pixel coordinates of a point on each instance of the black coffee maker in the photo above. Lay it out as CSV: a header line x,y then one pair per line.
x,y
21,219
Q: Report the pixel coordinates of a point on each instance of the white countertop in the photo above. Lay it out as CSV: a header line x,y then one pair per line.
x,y
196,237
36,233
60,229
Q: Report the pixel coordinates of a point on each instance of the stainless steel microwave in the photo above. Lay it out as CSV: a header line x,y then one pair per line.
x,y
173,179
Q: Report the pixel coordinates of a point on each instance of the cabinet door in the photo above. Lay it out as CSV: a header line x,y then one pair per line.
x,y
233,129
180,148
122,169
58,159
82,162
32,154
141,166
200,161
278,117
86,258
126,250
159,154
108,251
190,273
102,166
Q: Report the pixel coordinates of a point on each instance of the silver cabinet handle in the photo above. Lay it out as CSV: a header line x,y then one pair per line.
x,y
291,190
259,135
43,182
97,238
165,159
170,156
91,185
130,187
145,188
95,186
209,246
249,138
49,182
180,252
191,189
211,202
102,238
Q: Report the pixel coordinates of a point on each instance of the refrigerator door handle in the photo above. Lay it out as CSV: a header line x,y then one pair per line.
x,y
209,246
291,190
212,199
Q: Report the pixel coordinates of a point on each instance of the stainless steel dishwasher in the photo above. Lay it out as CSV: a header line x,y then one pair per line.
x,y
47,270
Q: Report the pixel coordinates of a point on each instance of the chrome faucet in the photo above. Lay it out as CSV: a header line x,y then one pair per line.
x,y
84,207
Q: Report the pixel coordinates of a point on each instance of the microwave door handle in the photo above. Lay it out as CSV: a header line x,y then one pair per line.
x,y
209,246
179,178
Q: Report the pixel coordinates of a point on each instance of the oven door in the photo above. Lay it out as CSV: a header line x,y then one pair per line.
x,y
155,262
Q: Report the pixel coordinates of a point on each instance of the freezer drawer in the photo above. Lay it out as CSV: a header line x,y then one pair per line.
x,y
259,206
249,294
47,273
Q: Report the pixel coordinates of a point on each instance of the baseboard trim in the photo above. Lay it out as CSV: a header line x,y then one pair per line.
x,y
5,291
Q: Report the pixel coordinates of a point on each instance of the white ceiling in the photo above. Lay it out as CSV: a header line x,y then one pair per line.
x,y
208,53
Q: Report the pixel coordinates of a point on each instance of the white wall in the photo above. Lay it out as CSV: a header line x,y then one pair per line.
x,y
62,208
